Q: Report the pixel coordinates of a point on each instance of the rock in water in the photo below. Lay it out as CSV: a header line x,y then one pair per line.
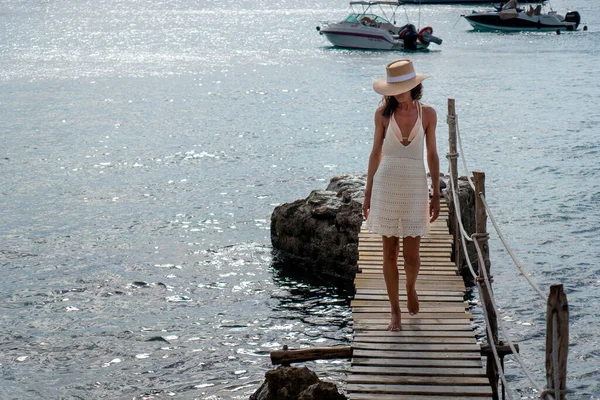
x,y
293,383
321,391
319,234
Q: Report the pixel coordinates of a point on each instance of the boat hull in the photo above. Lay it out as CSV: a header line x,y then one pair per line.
x,y
365,38
491,21
461,1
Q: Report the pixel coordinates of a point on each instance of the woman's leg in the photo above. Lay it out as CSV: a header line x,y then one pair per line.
x,y
391,247
412,264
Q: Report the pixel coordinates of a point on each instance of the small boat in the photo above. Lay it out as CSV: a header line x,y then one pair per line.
x,y
369,26
512,18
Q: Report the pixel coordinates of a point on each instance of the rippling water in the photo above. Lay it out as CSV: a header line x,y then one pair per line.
x,y
145,144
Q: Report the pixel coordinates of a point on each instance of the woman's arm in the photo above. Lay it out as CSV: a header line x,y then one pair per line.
x,y
433,161
374,158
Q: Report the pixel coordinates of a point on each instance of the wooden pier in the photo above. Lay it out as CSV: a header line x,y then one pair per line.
x,y
435,355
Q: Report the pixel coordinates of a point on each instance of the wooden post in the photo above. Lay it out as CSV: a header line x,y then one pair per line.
x,y
481,236
453,158
557,341
285,356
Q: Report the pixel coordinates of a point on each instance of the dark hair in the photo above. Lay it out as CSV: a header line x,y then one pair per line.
x,y
389,103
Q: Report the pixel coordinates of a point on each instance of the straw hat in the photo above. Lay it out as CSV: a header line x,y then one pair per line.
x,y
401,77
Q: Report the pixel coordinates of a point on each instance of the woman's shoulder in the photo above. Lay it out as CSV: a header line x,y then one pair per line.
x,y
379,113
428,111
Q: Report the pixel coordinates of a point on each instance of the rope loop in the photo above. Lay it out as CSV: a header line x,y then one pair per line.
x,y
553,392
452,155
480,236
450,119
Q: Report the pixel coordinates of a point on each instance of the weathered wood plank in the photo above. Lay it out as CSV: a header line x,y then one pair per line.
x,y
417,371
407,333
413,339
418,347
414,362
422,293
425,315
458,280
474,355
382,325
400,396
424,304
420,380
465,391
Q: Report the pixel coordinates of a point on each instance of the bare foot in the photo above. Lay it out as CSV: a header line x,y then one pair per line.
x,y
412,301
396,322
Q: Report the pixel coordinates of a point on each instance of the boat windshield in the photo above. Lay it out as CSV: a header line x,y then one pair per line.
x,y
356,18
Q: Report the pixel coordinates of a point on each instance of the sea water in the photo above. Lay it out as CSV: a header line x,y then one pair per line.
x,y
144,145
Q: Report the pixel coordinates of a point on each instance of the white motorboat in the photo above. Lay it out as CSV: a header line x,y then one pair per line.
x,y
511,17
369,26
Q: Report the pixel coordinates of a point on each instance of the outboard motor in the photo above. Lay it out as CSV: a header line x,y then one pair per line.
x,y
408,33
573,16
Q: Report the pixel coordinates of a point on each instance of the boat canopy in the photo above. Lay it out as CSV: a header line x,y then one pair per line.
x,y
357,18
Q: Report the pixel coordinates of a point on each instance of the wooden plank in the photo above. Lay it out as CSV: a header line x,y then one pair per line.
x,y
407,317
421,284
424,304
424,258
373,237
381,325
413,339
399,396
415,320
433,270
423,271
445,390
384,307
433,251
420,280
415,333
425,293
414,362
418,347
481,380
419,371
424,263
475,355
422,299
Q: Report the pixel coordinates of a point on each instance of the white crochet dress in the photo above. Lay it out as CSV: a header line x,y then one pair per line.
x,y
400,197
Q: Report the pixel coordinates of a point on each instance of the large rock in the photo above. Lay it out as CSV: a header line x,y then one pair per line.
x,y
295,383
320,233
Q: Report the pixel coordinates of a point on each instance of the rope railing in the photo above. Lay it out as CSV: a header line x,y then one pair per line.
x,y
503,328
509,249
464,237
556,360
454,119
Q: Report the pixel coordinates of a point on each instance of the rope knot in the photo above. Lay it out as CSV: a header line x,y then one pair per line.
x,y
450,119
452,155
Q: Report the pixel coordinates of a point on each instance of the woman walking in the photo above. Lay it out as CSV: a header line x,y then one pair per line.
x,y
397,203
